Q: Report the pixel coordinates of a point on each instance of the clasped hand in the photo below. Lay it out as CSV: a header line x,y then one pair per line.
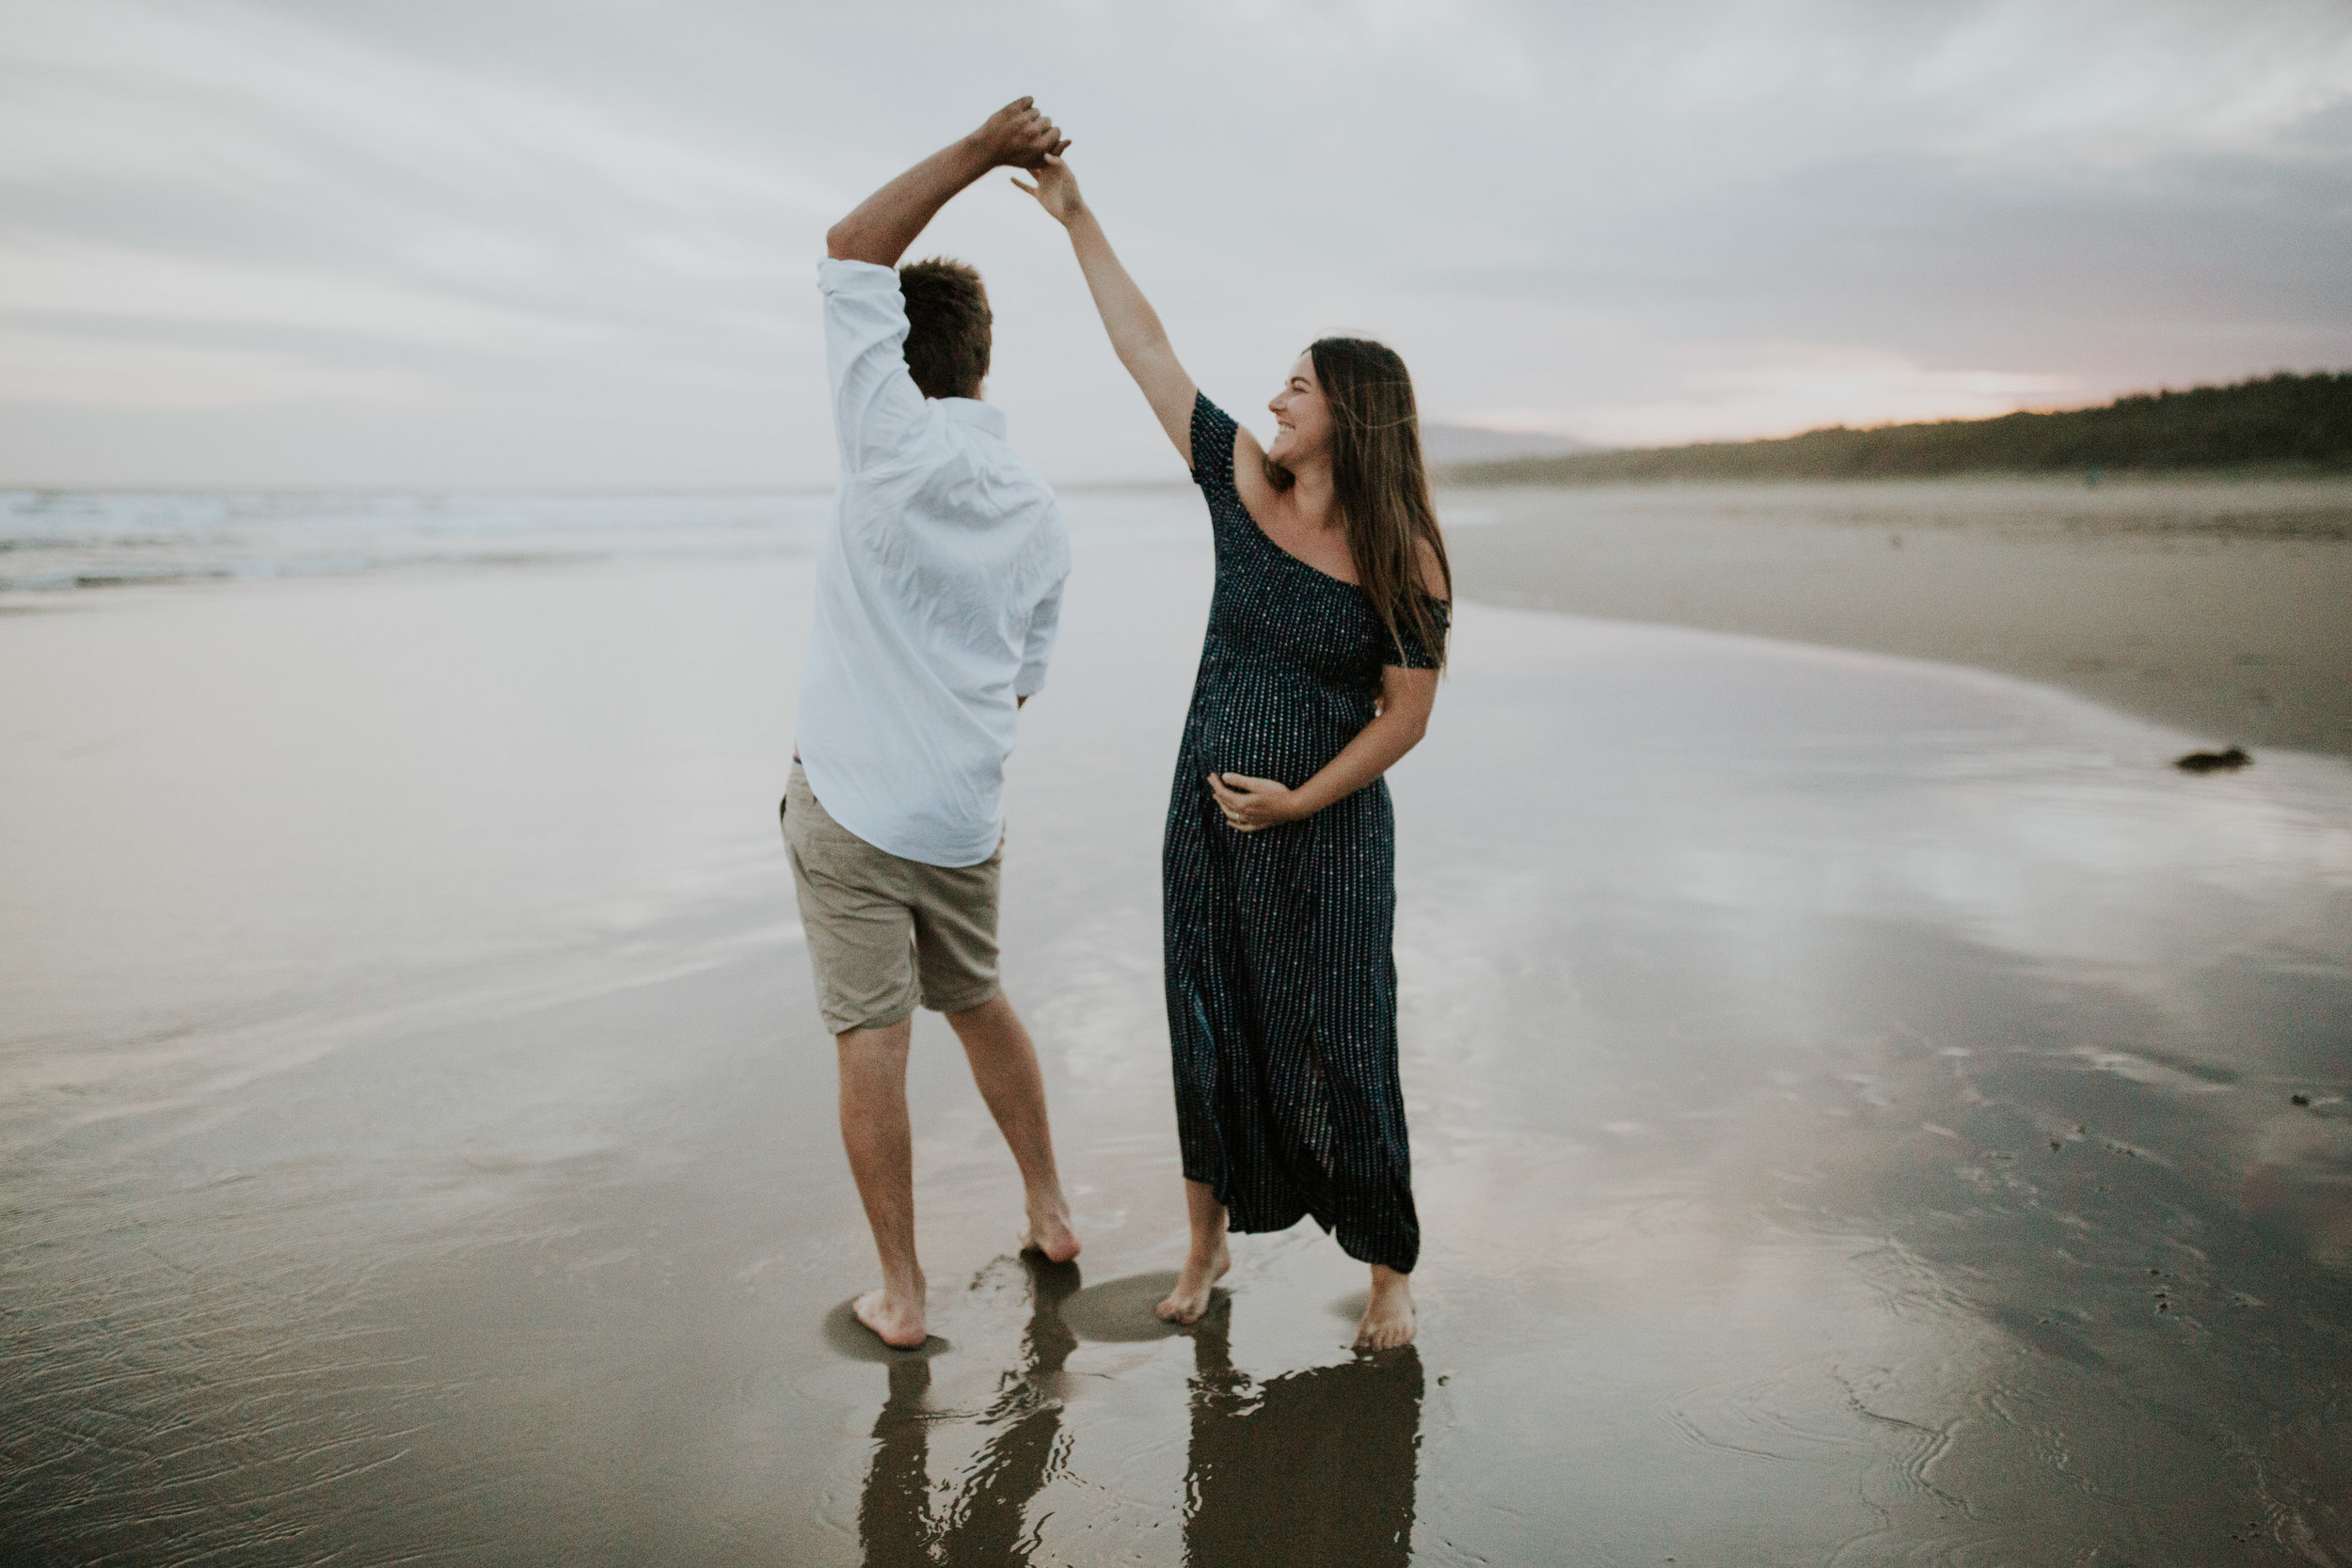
x,y
1249,804
1018,135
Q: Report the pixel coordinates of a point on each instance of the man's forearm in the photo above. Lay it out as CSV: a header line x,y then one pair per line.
x,y
885,223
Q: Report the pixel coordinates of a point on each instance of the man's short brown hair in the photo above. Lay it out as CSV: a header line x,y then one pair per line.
x,y
948,325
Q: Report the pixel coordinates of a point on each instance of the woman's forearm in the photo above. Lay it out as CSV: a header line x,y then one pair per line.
x,y
1378,747
1407,699
1137,336
1134,326
1135,333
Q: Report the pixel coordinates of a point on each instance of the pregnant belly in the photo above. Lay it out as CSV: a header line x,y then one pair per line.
x,y
1288,741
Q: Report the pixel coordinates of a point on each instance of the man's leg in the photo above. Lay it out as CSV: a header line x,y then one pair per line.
x,y
1004,1065
874,1130
860,934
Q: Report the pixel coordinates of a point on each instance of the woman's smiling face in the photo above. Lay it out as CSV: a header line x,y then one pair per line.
x,y
1302,418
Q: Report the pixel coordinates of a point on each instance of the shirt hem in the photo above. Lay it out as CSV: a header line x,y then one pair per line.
x,y
856,820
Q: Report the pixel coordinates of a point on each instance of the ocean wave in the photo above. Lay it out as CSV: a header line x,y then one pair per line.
x,y
54,542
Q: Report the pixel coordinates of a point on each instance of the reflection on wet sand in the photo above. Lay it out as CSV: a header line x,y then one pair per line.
x,y
1304,1469
1310,1467
984,1522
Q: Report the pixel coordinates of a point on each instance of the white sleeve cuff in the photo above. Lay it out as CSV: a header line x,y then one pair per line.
x,y
837,276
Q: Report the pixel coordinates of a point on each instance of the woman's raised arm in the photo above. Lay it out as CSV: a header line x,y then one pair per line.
x,y
1135,329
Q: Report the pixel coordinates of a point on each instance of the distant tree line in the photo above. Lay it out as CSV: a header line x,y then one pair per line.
x,y
2282,421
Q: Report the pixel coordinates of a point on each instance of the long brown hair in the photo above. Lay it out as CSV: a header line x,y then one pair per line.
x,y
1380,484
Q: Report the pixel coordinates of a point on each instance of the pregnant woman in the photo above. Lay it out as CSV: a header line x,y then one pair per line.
x,y
1320,668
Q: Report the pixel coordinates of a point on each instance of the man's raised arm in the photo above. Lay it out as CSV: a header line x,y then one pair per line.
x,y
885,223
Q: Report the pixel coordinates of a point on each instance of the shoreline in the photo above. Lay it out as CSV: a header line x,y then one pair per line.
x,y
2216,606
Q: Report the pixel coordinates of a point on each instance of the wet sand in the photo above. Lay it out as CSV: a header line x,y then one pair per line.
x,y
1853,1101
2218,607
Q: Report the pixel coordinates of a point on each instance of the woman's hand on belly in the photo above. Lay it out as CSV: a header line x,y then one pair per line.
x,y
1250,805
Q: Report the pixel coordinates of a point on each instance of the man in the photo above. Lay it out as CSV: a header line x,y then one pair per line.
x,y
937,596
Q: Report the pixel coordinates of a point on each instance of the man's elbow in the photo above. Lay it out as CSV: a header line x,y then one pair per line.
x,y
841,242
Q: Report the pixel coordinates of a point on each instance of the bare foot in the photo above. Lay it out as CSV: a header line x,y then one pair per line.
x,y
1190,1298
898,1320
1388,1321
1048,1234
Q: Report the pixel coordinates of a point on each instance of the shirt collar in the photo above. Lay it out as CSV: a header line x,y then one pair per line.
x,y
973,412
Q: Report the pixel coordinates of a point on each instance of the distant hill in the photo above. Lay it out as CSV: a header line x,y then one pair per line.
x,y
1443,444
2279,421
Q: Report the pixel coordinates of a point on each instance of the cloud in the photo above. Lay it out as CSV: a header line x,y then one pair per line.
x,y
239,137
1475,47
255,103
70,277
2115,82
1781,389
485,240
219,206
91,371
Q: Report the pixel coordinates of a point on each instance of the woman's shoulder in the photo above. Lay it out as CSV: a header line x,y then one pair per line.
x,y
1429,570
1213,433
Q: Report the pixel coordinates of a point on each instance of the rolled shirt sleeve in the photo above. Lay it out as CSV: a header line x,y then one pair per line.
x,y
1037,648
876,406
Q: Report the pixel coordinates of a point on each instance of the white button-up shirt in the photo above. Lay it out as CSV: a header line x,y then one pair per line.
x,y
938,590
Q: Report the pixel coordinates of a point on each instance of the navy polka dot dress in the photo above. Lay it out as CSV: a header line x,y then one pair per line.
x,y
1282,977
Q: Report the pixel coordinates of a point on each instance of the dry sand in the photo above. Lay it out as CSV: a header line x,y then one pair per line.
x,y
2224,608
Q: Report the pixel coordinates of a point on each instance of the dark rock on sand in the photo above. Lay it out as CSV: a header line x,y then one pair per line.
x,y
2212,762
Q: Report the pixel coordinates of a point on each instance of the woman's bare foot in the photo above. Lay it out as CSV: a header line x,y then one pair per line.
x,y
1190,1298
1388,1321
897,1318
1048,1234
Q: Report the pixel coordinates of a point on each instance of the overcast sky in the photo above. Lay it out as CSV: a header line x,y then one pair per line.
x,y
546,243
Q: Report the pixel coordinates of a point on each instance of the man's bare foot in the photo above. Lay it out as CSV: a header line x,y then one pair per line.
x,y
1388,1321
1190,1298
1048,1234
898,1320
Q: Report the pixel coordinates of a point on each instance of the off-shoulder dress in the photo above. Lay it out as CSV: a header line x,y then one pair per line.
x,y
1281,970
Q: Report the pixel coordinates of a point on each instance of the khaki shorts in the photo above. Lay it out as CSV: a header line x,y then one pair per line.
x,y
886,935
